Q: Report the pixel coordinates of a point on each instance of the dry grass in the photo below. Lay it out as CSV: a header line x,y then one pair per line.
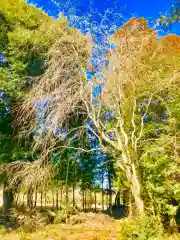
x,y
95,227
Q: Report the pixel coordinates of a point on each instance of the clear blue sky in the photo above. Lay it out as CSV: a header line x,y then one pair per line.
x,y
149,9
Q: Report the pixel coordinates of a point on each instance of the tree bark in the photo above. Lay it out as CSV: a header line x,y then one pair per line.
x,y
132,177
136,192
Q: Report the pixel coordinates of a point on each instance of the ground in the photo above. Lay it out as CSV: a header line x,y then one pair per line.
x,y
95,227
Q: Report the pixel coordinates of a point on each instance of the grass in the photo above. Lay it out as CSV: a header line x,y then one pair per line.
x,y
108,231
96,227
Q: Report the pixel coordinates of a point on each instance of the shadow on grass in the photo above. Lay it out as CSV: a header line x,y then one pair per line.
x,y
117,212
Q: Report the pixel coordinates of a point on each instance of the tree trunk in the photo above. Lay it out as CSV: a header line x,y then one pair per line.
x,y
30,197
16,199
41,198
95,200
110,190
117,199
85,197
23,198
53,197
67,195
73,195
102,182
136,192
132,177
36,194
74,186
57,200
61,196
45,198
7,200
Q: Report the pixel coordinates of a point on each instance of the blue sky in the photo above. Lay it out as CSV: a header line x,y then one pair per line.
x,y
149,9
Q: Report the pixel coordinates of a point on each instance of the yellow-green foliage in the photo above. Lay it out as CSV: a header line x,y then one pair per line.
x,y
147,228
27,33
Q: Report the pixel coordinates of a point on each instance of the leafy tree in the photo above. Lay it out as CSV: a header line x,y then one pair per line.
x,y
140,76
26,35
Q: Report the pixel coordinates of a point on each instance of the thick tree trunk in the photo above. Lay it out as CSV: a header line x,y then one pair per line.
x,y
136,192
132,177
7,200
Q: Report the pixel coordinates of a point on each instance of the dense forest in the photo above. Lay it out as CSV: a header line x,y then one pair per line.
x,y
112,139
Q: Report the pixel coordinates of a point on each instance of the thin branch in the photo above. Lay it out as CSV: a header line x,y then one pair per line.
x,y
142,121
133,123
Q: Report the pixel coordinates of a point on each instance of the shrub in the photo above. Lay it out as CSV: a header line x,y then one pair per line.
x,y
146,228
62,215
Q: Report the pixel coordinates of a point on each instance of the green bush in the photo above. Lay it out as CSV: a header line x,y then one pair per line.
x,y
62,215
146,228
